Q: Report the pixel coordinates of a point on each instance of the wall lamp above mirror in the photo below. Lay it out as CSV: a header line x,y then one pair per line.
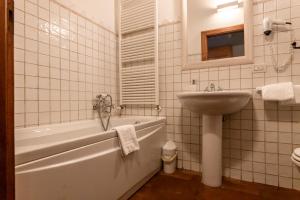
x,y
216,33
227,5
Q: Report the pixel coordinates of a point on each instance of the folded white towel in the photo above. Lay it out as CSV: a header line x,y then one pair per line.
x,y
128,139
278,92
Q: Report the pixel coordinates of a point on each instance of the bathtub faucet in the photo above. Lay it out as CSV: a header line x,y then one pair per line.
x,y
104,107
104,103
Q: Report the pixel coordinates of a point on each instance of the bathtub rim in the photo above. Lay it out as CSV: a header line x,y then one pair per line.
x,y
66,125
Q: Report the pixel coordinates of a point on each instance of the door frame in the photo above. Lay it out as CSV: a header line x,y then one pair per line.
x,y
7,163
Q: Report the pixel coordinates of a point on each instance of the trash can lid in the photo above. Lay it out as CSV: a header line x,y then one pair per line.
x,y
170,145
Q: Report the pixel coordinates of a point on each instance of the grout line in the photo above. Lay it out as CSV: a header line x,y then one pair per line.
x,y
38,68
25,100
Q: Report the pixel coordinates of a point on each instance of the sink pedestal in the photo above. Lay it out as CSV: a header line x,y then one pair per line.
x,y
212,150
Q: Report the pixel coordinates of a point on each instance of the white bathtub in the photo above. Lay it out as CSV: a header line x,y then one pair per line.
x,y
79,161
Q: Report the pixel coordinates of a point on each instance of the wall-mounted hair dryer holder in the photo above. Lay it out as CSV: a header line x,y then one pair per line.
x,y
268,25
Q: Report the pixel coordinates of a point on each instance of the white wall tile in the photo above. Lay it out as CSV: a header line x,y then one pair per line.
x,y
263,155
59,71
46,61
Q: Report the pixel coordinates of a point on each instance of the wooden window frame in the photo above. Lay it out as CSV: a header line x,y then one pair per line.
x,y
7,164
215,32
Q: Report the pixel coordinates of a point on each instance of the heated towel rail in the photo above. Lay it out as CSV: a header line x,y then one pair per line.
x,y
138,52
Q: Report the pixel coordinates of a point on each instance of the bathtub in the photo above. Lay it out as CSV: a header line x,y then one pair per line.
x,y
79,161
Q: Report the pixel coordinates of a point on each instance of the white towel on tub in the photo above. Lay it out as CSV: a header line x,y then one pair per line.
x,y
128,139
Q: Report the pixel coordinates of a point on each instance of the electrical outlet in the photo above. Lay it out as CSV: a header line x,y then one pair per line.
x,y
259,68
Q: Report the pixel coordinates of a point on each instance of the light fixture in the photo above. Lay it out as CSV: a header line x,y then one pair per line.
x,y
228,6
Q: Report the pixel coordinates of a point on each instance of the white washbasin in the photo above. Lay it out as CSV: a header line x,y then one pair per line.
x,y
214,103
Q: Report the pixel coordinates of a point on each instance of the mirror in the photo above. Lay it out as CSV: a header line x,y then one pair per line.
x,y
217,33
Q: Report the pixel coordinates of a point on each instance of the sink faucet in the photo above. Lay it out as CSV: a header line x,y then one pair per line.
x,y
212,88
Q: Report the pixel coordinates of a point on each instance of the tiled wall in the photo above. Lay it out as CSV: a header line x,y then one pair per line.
x,y
62,61
258,141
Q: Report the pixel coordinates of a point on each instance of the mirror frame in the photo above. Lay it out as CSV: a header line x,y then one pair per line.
x,y
248,58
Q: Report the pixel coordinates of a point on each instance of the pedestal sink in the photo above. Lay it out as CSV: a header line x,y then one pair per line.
x,y
213,105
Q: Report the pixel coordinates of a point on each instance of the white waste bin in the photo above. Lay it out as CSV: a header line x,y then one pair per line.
x,y
169,155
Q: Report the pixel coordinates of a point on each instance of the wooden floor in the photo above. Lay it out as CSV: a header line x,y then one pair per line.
x,y
185,185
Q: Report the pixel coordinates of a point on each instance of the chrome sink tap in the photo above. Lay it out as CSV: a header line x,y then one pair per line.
x,y
212,88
